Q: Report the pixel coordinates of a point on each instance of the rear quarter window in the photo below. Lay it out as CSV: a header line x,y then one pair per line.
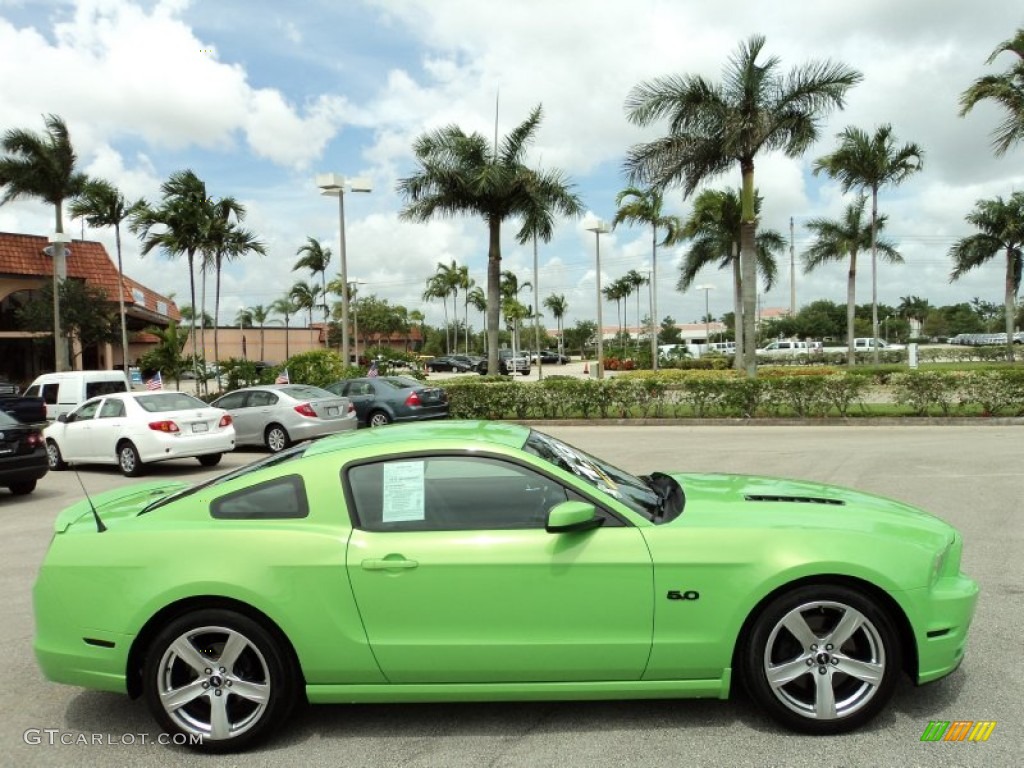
x,y
283,498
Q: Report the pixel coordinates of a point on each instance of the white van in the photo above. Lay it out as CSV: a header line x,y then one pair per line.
x,y
784,347
64,392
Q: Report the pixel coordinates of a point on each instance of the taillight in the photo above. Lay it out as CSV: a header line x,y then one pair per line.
x,y
35,440
306,409
351,408
225,420
163,426
413,399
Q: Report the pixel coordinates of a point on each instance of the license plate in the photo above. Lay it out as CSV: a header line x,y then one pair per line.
x,y
201,427
332,411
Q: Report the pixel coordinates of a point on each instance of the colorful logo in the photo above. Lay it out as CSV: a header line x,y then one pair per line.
x,y
958,730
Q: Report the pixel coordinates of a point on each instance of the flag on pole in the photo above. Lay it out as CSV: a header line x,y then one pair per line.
x,y
282,377
155,382
373,369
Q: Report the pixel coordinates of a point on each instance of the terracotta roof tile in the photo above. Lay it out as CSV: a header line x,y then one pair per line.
x,y
22,255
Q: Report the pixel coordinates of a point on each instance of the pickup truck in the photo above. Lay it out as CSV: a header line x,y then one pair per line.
x,y
27,410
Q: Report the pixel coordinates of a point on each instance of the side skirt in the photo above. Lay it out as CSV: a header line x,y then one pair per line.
x,y
427,692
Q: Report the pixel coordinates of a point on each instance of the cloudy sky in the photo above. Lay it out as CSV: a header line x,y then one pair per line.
x,y
257,97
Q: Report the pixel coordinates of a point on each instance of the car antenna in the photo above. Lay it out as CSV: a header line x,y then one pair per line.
x,y
100,527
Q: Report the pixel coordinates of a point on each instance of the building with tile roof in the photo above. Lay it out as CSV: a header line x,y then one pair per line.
x,y
25,268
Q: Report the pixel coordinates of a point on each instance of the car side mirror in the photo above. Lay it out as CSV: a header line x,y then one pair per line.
x,y
572,517
64,418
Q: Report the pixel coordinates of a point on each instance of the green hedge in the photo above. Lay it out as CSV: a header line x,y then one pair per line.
x,y
805,393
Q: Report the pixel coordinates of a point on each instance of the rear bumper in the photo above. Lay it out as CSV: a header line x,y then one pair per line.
x,y
310,428
186,446
31,466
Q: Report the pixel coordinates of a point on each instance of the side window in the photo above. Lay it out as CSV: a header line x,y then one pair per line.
x,y
50,393
32,391
261,399
232,401
88,410
111,409
282,498
451,493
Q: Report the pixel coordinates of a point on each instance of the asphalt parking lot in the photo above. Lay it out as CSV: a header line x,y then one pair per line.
x,y
969,476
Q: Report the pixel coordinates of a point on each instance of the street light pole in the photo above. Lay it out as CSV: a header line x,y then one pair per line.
x,y
334,184
599,227
707,315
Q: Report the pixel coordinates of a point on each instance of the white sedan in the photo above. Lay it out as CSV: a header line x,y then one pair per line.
x,y
132,429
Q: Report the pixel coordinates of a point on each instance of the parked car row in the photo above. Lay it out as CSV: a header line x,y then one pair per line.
x,y
985,339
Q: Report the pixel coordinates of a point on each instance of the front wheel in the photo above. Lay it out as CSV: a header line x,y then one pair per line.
x,y
822,659
128,460
210,459
219,676
53,457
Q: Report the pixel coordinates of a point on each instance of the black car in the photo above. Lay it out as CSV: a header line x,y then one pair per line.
x,y
551,356
380,400
457,363
22,455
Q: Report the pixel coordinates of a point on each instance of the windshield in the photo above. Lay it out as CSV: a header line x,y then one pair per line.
x,y
270,461
612,481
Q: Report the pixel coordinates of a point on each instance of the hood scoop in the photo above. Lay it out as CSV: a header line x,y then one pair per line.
x,y
794,499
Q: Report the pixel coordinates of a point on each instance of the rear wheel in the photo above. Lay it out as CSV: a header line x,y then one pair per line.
x,y
378,419
822,659
128,460
276,438
221,676
53,457
210,459
22,487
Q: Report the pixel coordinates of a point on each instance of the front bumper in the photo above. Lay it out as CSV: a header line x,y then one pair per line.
x,y
941,628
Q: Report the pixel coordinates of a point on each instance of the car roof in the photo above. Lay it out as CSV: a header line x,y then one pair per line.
x,y
463,431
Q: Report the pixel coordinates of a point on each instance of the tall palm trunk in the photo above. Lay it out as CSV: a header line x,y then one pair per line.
x,y
748,267
851,306
216,309
120,299
493,294
874,273
737,309
202,311
1009,302
192,296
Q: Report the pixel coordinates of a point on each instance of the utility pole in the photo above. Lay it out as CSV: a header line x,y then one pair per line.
x,y
792,273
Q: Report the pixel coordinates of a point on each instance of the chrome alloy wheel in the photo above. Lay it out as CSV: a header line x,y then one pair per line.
x,y
213,681
824,660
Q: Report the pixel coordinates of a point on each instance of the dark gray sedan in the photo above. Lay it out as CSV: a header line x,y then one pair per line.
x,y
381,400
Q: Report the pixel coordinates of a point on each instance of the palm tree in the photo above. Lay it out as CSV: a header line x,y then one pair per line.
x,y
227,242
450,277
635,281
913,307
512,308
438,288
465,283
475,298
466,174
558,306
101,204
43,166
304,296
714,228
180,225
285,307
640,206
1000,226
259,315
869,162
316,258
1007,90
837,240
713,127
615,291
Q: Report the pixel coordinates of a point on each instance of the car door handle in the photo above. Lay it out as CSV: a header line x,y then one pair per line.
x,y
388,563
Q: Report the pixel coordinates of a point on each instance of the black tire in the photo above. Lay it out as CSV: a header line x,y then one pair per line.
x,y
128,460
262,663
54,457
378,419
276,438
210,459
860,671
22,487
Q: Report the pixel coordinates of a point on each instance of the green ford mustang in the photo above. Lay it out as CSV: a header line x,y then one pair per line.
x,y
469,561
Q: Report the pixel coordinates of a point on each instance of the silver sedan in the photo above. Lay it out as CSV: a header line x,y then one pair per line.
x,y
277,415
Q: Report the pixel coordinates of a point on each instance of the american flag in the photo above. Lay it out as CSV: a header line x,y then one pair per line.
x,y
373,369
282,377
155,382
